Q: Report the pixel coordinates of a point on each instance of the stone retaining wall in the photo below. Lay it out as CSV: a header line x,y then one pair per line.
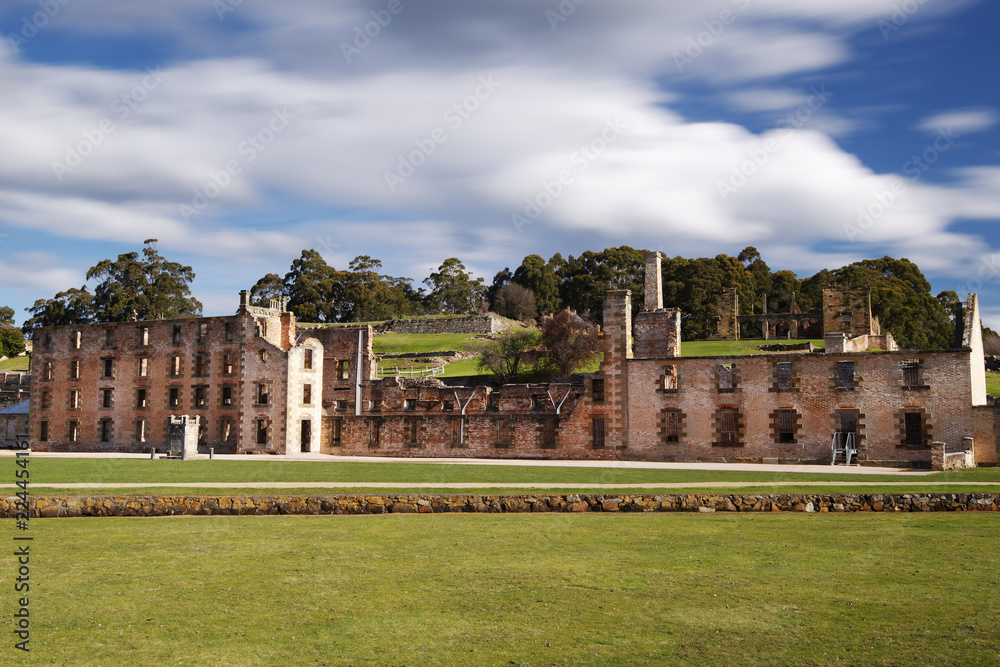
x,y
72,506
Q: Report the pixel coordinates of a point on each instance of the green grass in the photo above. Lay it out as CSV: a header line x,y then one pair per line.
x,y
656,589
420,343
728,348
993,383
14,364
100,470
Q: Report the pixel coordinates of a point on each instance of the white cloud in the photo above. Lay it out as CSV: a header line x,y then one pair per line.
x,y
963,121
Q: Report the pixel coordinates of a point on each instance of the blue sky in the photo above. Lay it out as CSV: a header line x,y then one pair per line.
x,y
240,133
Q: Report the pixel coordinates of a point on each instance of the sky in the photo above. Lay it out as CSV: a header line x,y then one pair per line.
x,y
240,132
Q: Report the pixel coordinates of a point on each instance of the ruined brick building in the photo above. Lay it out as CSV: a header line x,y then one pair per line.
x,y
256,382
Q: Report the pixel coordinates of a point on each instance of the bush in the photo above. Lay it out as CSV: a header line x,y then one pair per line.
x,y
515,302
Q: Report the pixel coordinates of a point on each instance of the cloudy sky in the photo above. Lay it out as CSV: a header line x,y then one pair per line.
x,y
239,132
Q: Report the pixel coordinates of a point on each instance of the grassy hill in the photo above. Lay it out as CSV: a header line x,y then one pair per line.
x,y
13,365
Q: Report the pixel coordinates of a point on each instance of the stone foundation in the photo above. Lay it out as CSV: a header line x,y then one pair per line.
x,y
147,506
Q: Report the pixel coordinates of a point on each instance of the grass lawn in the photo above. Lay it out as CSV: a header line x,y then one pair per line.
x,y
993,383
99,470
725,348
593,589
417,343
14,364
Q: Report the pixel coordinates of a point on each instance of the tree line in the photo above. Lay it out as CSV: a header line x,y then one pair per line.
x,y
140,286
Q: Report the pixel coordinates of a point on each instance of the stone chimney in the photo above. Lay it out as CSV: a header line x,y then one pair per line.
x,y
654,282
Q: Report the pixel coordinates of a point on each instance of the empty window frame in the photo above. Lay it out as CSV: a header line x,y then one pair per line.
x,y
139,430
140,398
597,431
43,430
226,431
201,397
669,379
845,374
73,431
784,370
76,340
74,399
336,431
597,389
227,363
109,368
104,429
343,370
107,398
725,377
307,359
411,430
46,399
143,336
261,431
307,394
175,336
202,333
74,369
48,370
143,367
109,338
175,366
173,397
227,396
200,365
549,429
262,393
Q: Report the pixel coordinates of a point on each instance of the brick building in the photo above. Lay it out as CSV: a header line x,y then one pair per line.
x,y
256,382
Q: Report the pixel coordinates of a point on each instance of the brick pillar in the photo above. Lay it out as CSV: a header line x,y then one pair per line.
x,y
728,327
617,343
653,283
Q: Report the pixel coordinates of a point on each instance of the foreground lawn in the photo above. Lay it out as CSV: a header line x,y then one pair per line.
x,y
674,589
96,470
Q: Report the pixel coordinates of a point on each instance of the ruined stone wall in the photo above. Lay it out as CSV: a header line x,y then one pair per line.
x,y
424,418
848,310
465,324
728,327
98,506
10,427
690,389
658,334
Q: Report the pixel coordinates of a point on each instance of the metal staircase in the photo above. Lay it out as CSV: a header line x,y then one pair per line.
x,y
844,444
